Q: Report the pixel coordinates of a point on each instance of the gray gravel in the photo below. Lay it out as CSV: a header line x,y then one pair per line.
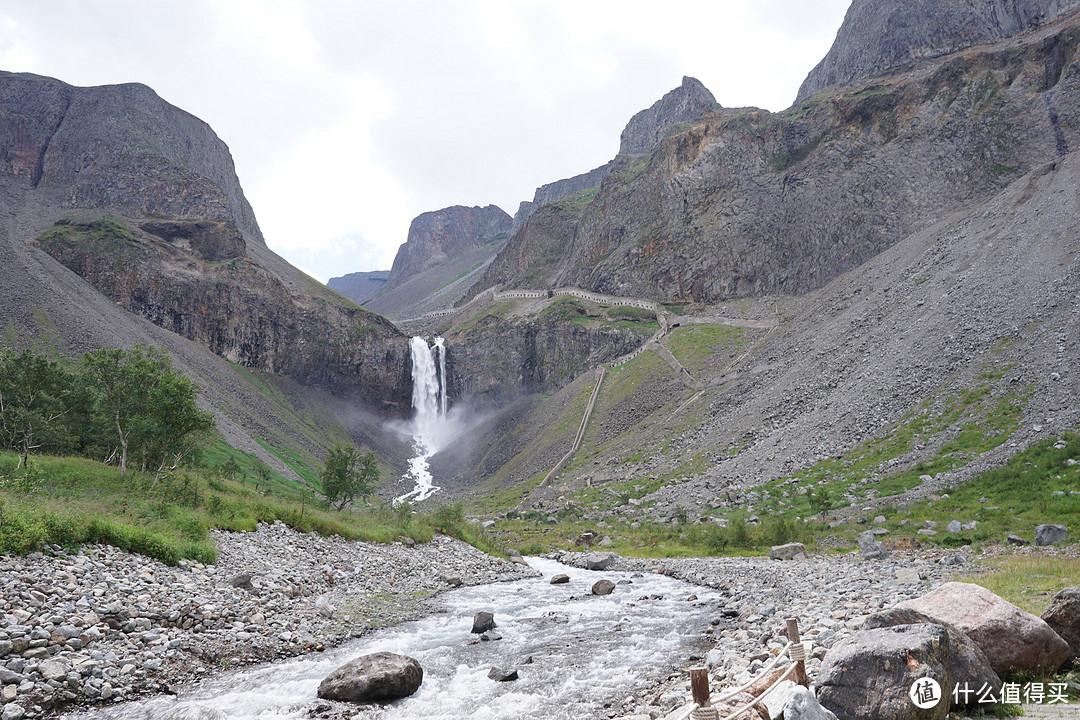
x,y
103,625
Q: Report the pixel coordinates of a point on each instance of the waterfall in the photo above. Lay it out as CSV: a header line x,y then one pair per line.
x,y
429,425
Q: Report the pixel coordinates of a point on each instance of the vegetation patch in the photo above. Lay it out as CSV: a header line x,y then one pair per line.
x,y
695,346
578,201
69,501
1027,581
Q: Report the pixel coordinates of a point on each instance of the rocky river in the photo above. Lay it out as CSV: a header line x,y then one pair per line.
x,y
102,627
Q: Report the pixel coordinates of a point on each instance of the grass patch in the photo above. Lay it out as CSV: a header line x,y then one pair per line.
x,y
578,201
71,501
1027,581
695,346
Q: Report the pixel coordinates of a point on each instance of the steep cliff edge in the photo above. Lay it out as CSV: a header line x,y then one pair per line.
x,y
140,202
749,202
881,35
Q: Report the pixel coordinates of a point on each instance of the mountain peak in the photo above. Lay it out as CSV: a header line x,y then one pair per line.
x,y
682,105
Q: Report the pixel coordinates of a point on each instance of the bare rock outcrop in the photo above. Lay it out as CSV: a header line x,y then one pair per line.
x,y
881,35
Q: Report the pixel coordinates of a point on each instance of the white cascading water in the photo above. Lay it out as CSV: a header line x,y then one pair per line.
x,y
429,424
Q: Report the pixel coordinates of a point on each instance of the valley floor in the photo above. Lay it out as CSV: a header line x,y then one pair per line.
x,y
102,625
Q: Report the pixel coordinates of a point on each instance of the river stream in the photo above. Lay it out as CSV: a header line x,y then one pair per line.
x,y
586,652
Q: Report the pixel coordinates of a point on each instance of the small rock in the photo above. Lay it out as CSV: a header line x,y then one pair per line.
x,y
560,579
603,587
482,622
1016,540
789,551
870,548
600,560
499,675
954,527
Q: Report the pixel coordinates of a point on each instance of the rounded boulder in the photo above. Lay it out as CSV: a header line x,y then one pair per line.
x,y
372,678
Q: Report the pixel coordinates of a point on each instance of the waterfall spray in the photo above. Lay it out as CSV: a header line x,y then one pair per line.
x,y
429,425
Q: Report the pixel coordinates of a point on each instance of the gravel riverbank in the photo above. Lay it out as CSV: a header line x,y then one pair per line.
x,y
104,625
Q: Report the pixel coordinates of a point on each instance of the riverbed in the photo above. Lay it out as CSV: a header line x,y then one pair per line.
x,y
576,654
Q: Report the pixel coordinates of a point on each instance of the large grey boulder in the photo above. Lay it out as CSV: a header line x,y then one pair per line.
x,y
1063,616
870,673
870,548
1013,640
600,560
1050,534
966,662
370,678
789,551
603,587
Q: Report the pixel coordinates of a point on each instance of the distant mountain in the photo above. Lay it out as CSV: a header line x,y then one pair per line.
x,y
359,286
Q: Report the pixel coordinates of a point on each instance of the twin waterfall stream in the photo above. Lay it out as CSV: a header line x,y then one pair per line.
x,y
430,427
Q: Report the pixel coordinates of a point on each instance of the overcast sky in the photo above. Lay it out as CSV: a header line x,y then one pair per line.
x,y
348,119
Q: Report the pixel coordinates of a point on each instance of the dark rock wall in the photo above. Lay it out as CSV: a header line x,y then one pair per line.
x,y
244,313
878,35
497,361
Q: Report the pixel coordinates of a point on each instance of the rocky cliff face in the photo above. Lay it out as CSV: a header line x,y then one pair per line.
x,y
141,200
359,286
749,202
880,35
119,147
497,361
208,291
435,237
682,105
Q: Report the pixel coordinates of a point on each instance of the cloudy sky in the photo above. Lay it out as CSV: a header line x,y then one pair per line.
x,y
348,119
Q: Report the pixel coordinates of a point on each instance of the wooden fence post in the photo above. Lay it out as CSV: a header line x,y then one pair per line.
x,y
798,652
699,688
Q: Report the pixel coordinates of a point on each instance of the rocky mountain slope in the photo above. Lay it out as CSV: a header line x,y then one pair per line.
x,y
911,237
879,35
745,203
121,221
443,248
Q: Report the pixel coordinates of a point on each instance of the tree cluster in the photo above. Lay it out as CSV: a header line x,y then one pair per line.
x,y
116,405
